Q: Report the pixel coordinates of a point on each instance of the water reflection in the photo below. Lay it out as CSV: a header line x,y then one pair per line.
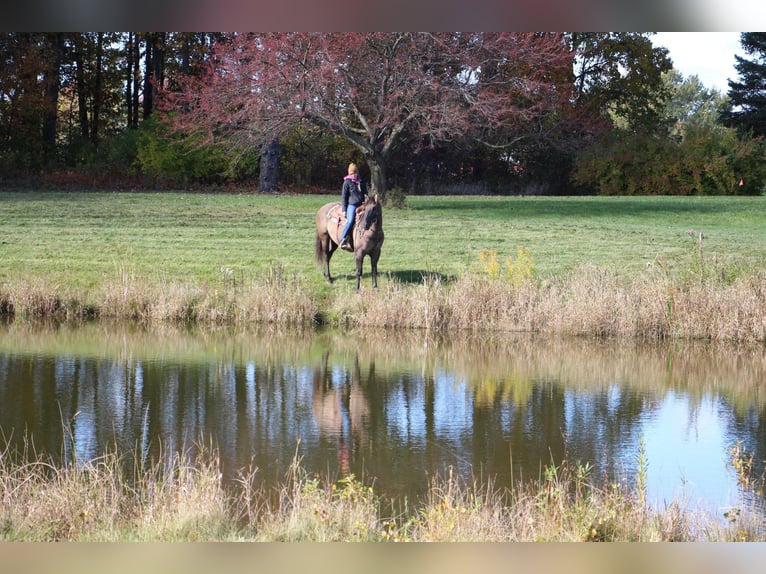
x,y
341,409
393,408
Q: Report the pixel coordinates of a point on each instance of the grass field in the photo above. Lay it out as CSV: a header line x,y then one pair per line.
x,y
75,243
78,239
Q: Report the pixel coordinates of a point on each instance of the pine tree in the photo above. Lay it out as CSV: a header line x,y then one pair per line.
x,y
748,93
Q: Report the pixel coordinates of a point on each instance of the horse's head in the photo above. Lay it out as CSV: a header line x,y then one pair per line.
x,y
373,213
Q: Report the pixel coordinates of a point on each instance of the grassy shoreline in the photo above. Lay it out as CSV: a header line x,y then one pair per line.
x,y
573,266
588,302
184,501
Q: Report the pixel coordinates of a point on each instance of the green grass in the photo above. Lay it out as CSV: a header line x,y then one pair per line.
x,y
597,266
621,233
79,239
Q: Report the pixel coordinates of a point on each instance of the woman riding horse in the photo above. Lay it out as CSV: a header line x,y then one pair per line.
x,y
367,233
353,194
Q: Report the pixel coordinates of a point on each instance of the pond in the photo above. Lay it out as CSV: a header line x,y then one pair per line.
x,y
394,409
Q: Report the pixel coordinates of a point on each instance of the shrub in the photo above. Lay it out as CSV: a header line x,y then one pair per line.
x,y
708,161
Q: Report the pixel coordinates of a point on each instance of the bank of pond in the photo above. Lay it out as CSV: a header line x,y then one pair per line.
x,y
703,303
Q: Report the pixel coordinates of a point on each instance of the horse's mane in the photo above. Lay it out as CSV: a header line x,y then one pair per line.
x,y
372,214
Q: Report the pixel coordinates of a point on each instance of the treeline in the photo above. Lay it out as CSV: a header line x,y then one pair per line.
x,y
422,113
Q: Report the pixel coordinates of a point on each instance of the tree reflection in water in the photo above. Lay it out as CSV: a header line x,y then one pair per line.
x,y
390,408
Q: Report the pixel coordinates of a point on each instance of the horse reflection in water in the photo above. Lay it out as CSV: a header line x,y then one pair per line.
x,y
341,409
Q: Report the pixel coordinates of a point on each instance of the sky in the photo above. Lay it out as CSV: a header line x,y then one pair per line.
x,y
709,55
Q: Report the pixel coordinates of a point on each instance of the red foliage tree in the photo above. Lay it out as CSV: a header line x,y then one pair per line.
x,y
379,89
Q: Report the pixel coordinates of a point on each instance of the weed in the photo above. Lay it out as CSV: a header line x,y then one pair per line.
x,y
743,464
521,269
517,270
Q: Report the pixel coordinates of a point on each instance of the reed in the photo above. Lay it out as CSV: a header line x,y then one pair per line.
x,y
98,500
270,298
588,301
179,499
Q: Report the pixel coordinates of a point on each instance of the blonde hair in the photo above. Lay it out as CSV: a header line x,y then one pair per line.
x,y
352,168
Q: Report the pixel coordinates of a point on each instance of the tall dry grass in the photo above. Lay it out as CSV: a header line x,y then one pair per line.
x,y
107,499
589,301
270,298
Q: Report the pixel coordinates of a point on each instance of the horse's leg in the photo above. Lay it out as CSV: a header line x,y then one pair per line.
x,y
359,261
374,256
328,248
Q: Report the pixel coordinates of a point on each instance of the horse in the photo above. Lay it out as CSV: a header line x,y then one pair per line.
x,y
366,236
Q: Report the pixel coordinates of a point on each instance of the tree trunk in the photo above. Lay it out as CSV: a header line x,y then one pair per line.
x,y
82,100
148,99
269,174
154,68
136,79
160,47
378,182
55,54
98,96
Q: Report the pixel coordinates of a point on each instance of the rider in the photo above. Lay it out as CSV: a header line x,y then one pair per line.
x,y
352,196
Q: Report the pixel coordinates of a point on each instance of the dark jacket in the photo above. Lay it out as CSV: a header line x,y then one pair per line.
x,y
353,193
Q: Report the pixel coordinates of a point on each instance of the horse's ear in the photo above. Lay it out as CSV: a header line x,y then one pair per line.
x,y
375,198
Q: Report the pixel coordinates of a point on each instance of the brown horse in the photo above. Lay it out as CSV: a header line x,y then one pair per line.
x,y
366,236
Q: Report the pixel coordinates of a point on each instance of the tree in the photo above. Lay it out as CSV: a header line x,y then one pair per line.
x,y
154,68
691,104
619,75
91,109
748,94
377,90
28,91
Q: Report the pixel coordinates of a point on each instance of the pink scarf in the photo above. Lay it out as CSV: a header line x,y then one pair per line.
x,y
354,178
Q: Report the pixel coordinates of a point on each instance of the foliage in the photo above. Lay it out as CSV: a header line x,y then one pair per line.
x,y
748,93
708,161
518,270
162,155
743,464
700,156
741,526
395,199
620,74
425,113
314,157
375,89
185,499
691,105
22,102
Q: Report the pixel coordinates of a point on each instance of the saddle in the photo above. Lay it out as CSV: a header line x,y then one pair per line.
x,y
337,217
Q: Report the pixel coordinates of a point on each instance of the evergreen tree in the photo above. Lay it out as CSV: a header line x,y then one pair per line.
x,y
748,93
